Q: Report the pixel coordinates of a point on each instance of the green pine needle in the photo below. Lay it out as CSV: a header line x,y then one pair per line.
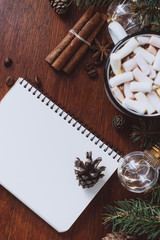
x,y
137,217
155,193
95,3
147,132
148,11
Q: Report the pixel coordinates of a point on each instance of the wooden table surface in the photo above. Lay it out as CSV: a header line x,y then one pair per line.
x,y
29,30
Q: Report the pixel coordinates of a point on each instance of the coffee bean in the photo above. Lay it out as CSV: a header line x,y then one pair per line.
x,y
10,81
8,62
89,66
92,73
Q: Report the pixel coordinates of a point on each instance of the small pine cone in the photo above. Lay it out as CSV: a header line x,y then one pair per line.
x,y
88,173
118,122
60,6
118,236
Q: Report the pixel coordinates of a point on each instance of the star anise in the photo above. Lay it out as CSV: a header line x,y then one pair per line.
x,y
102,49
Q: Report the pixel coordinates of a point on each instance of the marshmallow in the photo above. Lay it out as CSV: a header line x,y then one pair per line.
x,y
121,78
141,97
134,105
141,62
140,76
152,50
157,80
143,40
154,100
129,65
147,55
127,91
155,41
156,64
115,62
127,48
139,73
118,94
154,87
140,86
152,72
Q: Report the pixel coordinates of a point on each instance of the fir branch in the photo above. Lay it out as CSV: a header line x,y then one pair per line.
x,y
136,217
95,3
147,11
146,132
155,193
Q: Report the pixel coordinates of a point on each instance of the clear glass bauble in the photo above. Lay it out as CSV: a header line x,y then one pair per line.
x,y
137,171
120,11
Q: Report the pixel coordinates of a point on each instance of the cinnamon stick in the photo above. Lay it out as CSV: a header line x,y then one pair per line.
x,y
70,66
61,61
64,43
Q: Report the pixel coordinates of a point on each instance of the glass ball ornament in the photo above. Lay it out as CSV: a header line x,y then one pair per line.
x,y
120,12
139,171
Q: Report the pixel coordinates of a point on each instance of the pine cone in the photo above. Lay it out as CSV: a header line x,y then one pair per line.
x,y
60,6
118,236
88,173
118,122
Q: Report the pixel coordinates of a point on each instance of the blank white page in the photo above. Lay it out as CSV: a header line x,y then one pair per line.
x,y
38,149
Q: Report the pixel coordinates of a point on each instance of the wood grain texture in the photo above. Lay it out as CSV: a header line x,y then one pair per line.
x,y
29,31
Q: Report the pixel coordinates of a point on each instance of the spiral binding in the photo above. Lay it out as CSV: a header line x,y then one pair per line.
x,y
103,144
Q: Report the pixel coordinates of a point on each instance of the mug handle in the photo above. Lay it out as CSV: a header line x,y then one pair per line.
x,y
116,32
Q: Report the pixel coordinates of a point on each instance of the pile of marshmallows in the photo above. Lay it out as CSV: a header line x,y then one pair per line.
x,y
136,68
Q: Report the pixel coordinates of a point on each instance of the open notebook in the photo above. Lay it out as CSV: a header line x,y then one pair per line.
x,y
38,145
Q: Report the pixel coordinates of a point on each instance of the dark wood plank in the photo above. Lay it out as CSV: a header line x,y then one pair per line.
x,y
29,30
